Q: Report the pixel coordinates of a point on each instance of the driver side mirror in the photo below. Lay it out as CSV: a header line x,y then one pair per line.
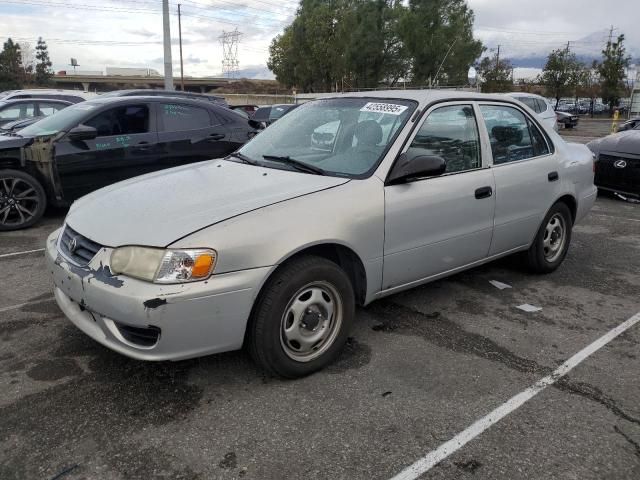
x,y
82,132
409,167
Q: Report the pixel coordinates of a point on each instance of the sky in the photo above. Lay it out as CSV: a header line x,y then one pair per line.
x,y
128,33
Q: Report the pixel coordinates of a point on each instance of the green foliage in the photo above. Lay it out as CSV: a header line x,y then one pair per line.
x,y
496,75
11,71
339,44
561,73
43,65
612,71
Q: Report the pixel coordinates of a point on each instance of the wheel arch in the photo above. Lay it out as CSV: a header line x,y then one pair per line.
x,y
570,201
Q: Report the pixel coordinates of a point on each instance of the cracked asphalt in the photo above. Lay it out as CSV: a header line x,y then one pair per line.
x,y
419,367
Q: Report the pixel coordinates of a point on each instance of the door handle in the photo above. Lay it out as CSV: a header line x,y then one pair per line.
x,y
484,192
553,176
216,136
142,146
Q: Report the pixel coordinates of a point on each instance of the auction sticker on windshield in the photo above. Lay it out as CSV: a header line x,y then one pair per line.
x,y
390,108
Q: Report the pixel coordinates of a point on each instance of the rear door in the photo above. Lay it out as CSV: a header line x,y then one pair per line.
x,y
190,133
526,175
126,146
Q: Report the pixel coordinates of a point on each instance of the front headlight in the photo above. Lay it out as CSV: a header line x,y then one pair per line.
x,y
163,266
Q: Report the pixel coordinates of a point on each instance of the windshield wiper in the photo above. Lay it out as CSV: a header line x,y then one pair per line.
x,y
244,158
297,164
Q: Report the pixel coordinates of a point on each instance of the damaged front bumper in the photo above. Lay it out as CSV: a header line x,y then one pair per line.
x,y
147,321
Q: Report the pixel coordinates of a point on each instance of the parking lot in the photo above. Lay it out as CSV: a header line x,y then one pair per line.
x,y
419,368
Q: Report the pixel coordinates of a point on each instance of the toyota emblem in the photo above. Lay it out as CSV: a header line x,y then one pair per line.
x,y
73,245
620,164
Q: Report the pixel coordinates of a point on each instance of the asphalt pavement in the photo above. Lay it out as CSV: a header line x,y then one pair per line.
x,y
419,368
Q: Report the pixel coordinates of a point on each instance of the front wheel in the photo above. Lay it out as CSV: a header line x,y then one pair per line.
x,y
302,317
552,241
22,200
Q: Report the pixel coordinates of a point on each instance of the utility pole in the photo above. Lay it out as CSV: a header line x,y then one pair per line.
x,y
168,65
230,61
611,34
498,58
568,46
180,37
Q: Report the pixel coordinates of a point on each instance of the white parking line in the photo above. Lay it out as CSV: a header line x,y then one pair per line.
x,y
14,254
15,307
456,443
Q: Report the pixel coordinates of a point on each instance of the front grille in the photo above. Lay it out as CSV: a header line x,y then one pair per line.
x,y
625,179
143,337
78,248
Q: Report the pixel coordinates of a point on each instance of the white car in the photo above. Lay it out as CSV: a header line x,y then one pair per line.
x,y
73,96
540,105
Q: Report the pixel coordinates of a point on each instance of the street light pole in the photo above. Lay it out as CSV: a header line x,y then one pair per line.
x,y
168,65
180,37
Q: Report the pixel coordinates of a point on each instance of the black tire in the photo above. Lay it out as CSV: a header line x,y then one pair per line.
x,y
541,258
22,209
266,339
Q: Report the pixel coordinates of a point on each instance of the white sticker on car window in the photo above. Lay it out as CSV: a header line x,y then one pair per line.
x,y
390,108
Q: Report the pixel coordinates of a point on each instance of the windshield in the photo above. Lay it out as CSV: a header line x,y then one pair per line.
x,y
341,136
60,121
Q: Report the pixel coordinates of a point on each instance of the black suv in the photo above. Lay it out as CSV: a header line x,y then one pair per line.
x,y
99,142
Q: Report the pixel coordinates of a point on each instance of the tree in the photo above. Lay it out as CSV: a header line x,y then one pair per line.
x,y
438,35
496,74
11,71
612,70
43,67
589,84
561,73
333,44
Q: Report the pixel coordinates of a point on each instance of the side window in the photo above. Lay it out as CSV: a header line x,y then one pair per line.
x,y
509,133
451,133
124,120
49,108
16,112
177,117
542,105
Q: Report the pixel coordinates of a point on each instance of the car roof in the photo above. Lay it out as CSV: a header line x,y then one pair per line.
x,y
525,94
421,96
150,98
50,91
36,99
160,92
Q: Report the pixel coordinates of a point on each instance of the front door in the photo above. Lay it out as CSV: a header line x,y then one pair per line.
x,y
126,146
435,225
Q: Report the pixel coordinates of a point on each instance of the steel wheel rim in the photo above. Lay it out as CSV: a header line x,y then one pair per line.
x,y
555,238
19,201
311,321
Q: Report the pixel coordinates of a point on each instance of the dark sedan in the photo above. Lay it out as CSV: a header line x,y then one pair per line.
x,y
618,165
23,108
167,93
629,124
99,142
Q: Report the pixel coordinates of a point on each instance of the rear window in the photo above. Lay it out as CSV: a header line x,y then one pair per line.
x,y
178,117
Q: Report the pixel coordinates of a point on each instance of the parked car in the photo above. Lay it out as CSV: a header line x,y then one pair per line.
x,y
567,120
20,109
167,93
96,143
274,246
73,96
629,124
270,113
618,162
538,104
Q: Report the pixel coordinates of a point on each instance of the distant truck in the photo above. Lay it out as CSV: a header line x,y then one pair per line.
x,y
131,72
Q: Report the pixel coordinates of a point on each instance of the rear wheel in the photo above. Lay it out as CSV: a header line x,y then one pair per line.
x,y
302,317
552,241
22,200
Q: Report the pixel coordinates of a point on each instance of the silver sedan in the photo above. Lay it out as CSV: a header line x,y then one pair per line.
x,y
343,201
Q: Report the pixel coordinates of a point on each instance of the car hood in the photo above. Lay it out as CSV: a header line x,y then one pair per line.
x,y
623,142
7,141
159,208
